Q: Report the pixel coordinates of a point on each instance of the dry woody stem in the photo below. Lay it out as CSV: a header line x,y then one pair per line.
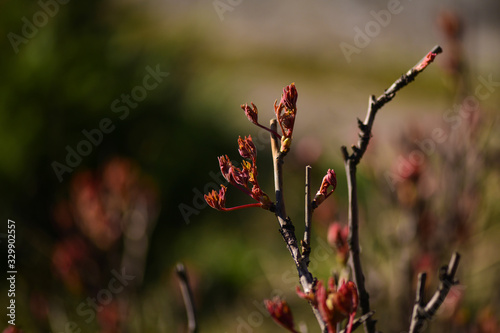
x,y
306,243
422,311
187,296
320,297
287,229
352,160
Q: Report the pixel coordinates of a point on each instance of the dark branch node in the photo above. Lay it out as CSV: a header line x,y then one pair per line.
x,y
288,232
362,126
345,154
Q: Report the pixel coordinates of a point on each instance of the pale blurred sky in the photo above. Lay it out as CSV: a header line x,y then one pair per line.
x,y
324,24
246,43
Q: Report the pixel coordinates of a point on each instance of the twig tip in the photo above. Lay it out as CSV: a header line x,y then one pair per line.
x,y
180,269
437,49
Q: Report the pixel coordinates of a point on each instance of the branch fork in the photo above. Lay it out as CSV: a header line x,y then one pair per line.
x,y
351,160
423,311
285,116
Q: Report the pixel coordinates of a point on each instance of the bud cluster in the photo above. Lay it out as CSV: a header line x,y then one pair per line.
x,y
244,178
334,304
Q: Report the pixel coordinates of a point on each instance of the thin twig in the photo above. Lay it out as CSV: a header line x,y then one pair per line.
x,y
352,160
419,300
287,229
353,239
359,321
422,311
376,104
306,243
187,295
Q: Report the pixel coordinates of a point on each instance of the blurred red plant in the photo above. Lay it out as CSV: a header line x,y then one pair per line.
x,y
281,313
12,329
71,260
337,238
334,304
105,223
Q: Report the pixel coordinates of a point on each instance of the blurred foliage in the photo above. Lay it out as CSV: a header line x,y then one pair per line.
x,y
158,161
63,81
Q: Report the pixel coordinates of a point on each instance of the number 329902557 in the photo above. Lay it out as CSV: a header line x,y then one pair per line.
x,y
11,240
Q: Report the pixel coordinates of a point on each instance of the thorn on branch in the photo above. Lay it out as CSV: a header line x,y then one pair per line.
x,y
362,125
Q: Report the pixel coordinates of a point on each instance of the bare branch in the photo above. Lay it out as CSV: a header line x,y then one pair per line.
x,y
287,229
422,311
376,104
187,295
353,239
306,243
352,160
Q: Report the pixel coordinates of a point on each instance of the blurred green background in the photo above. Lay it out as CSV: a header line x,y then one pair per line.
x,y
132,206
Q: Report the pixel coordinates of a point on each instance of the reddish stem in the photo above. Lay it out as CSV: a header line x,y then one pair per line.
x,y
242,188
269,130
257,204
